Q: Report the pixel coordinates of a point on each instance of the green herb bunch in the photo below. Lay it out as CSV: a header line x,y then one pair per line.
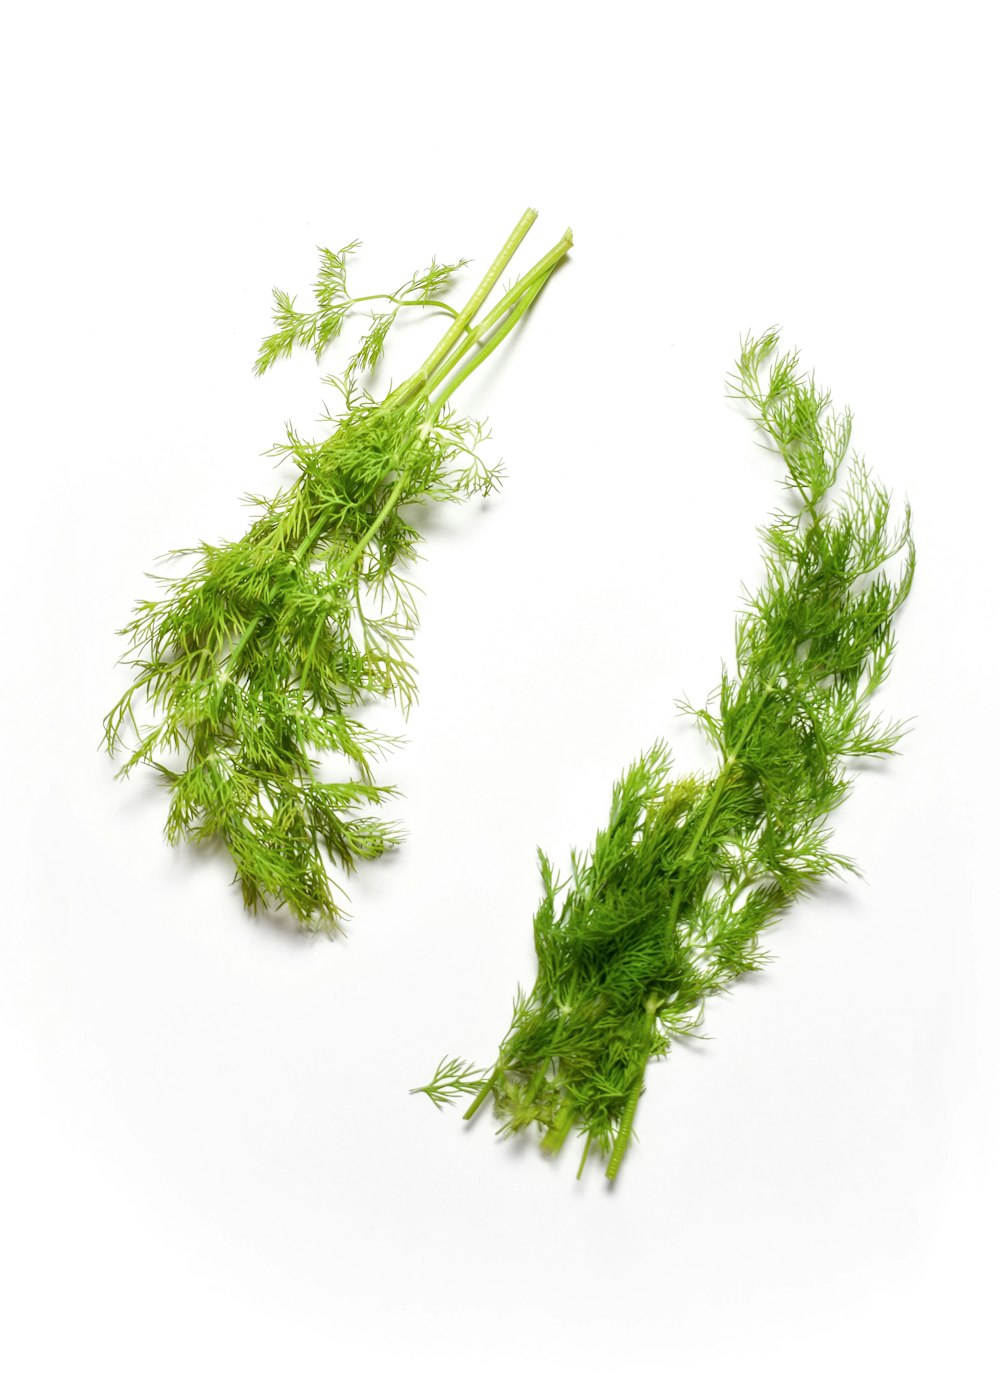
x,y
668,906
250,669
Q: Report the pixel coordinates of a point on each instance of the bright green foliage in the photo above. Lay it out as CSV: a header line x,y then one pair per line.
x,y
452,1079
668,906
253,663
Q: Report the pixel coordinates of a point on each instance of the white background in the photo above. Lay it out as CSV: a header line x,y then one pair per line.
x,y
210,1167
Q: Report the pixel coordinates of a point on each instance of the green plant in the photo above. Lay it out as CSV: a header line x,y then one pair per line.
x,y
667,907
253,664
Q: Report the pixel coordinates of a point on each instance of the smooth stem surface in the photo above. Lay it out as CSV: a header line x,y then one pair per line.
x,y
419,379
530,282
516,313
480,1096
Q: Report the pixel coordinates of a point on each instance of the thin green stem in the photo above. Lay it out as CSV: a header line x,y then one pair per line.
x,y
480,1096
624,1135
712,806
530,282
516,313
448,308
241,642
418,380
730,761
555,1137
625,1129
345,564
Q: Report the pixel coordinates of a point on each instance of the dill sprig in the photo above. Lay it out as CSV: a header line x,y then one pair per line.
x,y
250,668
668,906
